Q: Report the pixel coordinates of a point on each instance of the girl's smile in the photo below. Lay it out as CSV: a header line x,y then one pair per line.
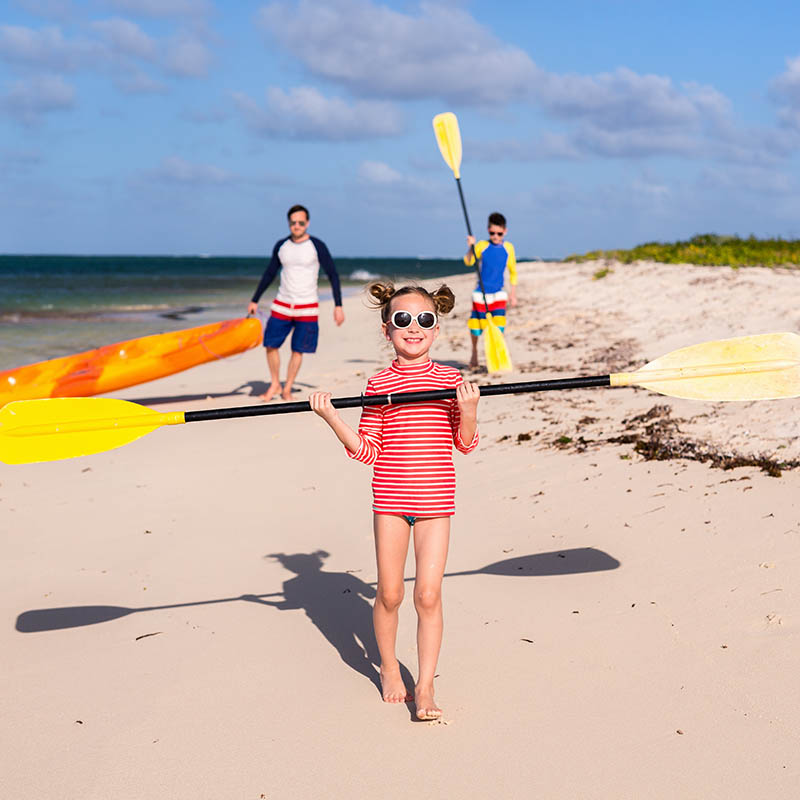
x,y
411,344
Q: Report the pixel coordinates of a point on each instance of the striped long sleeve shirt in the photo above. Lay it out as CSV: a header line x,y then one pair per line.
x,y
411,446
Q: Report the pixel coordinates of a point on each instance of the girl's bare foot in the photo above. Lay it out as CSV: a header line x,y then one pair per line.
x,y
392,687
274,388
426,706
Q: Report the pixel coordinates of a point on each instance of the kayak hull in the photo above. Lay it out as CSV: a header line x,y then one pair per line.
x,y
116,366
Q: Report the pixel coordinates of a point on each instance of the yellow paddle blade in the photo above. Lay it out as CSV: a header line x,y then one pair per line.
x,y
66,427
448,137
497,357
762,367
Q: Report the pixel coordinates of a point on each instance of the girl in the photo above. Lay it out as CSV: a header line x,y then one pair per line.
x,y
413,483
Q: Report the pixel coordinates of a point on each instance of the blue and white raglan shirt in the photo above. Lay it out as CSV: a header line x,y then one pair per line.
x,y
299,265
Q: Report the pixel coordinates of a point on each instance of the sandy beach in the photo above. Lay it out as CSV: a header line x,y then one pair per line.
x,y
189,616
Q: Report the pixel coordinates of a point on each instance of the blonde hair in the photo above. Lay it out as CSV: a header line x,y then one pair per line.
x,y
382,295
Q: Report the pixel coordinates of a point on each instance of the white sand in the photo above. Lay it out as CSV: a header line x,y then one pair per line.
x,y
646,649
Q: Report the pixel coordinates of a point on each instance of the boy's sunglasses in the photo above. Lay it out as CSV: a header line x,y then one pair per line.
x,y
495,233
403,319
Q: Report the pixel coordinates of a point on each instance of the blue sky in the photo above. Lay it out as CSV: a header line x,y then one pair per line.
x,y
190,126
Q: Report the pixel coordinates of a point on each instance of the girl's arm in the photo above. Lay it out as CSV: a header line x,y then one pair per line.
x,y
321,404
465,418
364,446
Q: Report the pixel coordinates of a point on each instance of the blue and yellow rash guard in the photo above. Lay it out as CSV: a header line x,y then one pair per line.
x,y
495,259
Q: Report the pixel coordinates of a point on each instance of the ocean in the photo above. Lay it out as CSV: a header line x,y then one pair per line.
x,y
53,306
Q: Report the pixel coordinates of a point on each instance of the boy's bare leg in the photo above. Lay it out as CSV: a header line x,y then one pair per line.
x,y
473,362
431,540
274,364
291,373
391,548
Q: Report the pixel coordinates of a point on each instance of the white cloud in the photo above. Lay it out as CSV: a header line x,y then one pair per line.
x,y
637,142
162,8
138,82
785,93
46,48
375,51
625,99
117,50
786,86
749,179
548,146
28,99
175,169
127,38
305,113
379,173
188,57
49,9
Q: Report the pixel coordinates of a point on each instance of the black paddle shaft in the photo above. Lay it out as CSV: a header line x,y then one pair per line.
x,y
396,399
474,254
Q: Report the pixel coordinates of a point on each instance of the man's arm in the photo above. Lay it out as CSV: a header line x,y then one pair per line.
x,y
326,262
266,279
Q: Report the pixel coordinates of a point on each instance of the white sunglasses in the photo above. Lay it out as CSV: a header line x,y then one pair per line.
x,y
425,319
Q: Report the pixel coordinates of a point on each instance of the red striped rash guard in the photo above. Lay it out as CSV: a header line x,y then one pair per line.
x,y
411,446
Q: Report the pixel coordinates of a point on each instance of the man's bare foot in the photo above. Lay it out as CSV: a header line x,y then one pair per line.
x,y
473,364
274,388
286,394
426,707
392,687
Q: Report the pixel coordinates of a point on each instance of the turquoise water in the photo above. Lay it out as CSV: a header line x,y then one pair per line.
x,y
52,306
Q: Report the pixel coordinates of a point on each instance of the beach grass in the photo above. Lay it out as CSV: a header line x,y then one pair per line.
x,y
708,249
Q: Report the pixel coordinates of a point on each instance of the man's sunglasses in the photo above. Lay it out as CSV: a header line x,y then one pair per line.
x,y
403,319
298,222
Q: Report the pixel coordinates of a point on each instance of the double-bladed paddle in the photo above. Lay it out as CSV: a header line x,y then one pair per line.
x,y
762,367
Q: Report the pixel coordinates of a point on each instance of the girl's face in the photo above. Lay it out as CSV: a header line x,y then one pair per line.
x,y
412,343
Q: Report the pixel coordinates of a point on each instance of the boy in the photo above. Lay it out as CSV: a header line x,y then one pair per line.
x,y
296,306
495,257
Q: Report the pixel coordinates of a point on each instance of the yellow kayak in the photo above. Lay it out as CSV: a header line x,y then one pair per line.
x,y
116,366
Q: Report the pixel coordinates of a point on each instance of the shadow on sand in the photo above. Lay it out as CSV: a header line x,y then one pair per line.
x,y
335,602
315,583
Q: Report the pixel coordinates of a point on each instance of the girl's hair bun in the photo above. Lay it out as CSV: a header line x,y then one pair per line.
x,y
443,299
382,293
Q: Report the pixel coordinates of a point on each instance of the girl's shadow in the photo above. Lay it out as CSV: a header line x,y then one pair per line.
x,y
336,602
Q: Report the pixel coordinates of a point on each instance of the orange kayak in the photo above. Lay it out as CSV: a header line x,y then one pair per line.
x,y
116,366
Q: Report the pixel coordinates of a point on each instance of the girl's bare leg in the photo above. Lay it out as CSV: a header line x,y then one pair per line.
x,y
391,548
431,540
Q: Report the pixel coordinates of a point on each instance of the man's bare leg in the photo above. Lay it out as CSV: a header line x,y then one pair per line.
x,y
274,364
291,373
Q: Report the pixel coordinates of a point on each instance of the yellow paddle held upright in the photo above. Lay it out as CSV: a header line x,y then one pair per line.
x,y
448,137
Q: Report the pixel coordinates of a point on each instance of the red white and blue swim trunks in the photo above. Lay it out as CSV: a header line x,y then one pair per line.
x,y
301,319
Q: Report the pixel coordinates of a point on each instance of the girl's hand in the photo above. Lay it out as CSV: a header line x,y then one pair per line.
x,y
320,403
467,396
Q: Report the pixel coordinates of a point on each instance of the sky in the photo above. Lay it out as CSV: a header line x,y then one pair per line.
x,y
190,126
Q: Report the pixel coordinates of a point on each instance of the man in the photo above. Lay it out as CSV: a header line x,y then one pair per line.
x,y
295,308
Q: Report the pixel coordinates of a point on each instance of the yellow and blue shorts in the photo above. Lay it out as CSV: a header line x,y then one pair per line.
x,y
497,308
